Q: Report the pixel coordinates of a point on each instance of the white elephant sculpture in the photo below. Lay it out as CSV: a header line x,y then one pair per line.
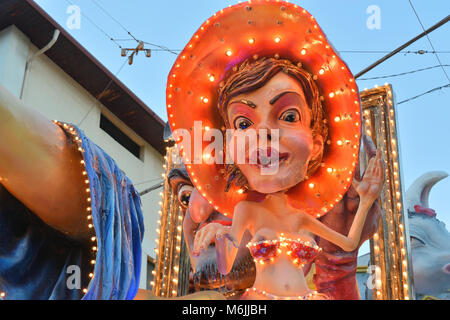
x,y
430,243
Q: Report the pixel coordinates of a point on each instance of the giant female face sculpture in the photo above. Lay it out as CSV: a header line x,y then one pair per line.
x,y
199,93
283,105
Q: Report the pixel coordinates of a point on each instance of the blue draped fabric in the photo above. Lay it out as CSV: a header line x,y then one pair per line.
x,y
36,260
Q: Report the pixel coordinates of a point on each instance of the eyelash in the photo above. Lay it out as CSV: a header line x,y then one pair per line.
x,y
236,124
296,113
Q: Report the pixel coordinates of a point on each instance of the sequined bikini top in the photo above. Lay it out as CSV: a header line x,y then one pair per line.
x,y
301,252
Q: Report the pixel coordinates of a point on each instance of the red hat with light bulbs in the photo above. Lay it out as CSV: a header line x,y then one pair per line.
x,y
252,30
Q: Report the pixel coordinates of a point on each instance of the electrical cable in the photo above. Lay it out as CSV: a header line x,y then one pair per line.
x,y
429,40
422,94
101,94
95,25
403,73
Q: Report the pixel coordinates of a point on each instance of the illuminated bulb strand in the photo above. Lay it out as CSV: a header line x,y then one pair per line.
x,y
378,242
394,147
165,256
283,243
275,297
162,222
176,264
376,238
396,193
78,142
172,279
397,219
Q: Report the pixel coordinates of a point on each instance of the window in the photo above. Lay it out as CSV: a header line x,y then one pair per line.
x,y
117,134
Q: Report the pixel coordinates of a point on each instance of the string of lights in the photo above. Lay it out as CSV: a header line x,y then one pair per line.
x,y
403,73
429,40
422,94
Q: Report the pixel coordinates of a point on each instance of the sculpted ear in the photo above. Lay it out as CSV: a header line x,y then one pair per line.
x,y
317,151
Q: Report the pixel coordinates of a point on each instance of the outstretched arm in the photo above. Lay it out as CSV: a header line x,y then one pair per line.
x,y
40,168
368,189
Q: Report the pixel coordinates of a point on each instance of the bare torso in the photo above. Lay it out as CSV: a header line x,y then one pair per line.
x,y
280,277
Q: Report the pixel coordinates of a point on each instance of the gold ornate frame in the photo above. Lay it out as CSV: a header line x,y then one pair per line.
x,y
390,246
171,274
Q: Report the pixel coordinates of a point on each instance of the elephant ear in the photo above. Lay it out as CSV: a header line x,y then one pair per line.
x,y
418,193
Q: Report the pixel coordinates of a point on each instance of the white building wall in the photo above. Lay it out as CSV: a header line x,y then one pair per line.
x,y
56,95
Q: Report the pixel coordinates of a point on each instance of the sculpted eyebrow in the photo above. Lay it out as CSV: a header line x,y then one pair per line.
x,y
246,102
275,99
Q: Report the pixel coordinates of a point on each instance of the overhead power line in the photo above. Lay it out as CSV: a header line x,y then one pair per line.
x,y
422,94
116,41
392,53
115,20
152,188
429,40
403,73
147,181
101,94
97,26
162,48
381,51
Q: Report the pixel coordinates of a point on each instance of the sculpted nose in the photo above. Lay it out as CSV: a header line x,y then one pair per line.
x,y
264,131
199,208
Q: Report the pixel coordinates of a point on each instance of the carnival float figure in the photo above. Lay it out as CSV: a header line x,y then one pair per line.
x,y
71,223
335,269
430,243
198,213
267,66
430,240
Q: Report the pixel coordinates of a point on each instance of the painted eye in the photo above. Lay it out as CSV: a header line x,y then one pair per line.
x,y
416,242
291,115
242,123
184,194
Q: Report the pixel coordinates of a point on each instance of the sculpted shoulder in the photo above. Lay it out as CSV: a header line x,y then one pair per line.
x,y
245,207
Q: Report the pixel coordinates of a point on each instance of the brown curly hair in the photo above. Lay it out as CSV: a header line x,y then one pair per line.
x,y
251,75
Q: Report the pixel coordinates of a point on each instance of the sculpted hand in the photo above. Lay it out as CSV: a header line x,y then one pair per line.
x,y
340,218
369,188
206,235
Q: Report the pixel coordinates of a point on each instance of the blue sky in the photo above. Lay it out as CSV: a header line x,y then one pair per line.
x,y
424,127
